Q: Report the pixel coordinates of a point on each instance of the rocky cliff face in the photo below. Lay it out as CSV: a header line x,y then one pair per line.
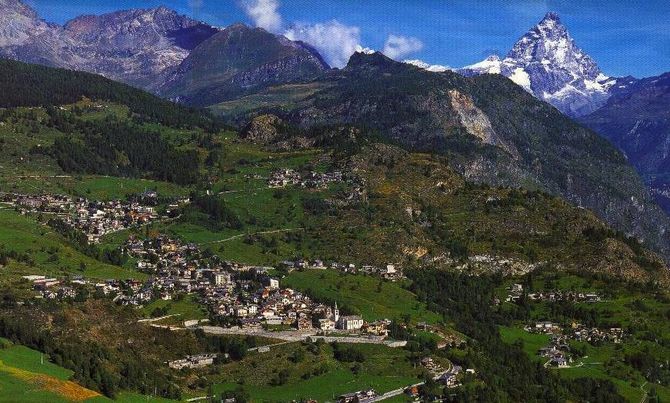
x,y
476,122
19,23
135,46
548,64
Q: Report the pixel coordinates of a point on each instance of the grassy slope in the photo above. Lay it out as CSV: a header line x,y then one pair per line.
x,y
360,293
617,310
384,369
23,171
26,375
24,234
185,309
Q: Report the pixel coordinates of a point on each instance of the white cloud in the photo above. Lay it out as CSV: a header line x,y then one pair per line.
x,y
264,14
397,46
436,68
335,41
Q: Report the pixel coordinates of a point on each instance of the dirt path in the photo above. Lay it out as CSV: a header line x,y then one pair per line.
x,y
276,231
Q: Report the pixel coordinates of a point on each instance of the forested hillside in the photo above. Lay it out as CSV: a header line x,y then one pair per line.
x,y
33,85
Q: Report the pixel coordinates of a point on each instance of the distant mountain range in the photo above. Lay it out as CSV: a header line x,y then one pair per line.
x,y
133,46
197,64
637,120
158,50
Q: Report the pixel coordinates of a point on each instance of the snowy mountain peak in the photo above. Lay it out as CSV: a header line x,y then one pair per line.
x,y
547,63
551,17
549,43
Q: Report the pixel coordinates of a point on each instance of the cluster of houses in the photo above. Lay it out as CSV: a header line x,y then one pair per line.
x,y
450,378
238,295
93,218
557,352
477,264
544,327
388,272
578,332
516,292
362,396
67,288
313,180
53,288
595,335
193,361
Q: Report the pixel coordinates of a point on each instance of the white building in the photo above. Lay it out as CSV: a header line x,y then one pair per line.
x,y
351,322
221,278
326,324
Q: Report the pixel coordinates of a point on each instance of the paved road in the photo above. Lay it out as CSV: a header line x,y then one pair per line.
x,y
394,393
400,391
150,320
294,335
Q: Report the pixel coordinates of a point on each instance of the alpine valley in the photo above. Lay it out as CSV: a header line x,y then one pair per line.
x,y
201,213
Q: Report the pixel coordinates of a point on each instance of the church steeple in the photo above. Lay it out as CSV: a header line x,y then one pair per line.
x,y
336,313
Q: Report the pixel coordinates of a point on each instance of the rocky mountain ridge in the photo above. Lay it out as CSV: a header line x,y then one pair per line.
x,y
131,46
547,63
239,60
148,48
490,130
637,121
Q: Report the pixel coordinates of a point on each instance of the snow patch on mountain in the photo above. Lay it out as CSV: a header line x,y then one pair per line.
x,y
490,65
435,68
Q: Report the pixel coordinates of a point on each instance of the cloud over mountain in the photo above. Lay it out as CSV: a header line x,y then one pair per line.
x,y
398,46
335,41
264,13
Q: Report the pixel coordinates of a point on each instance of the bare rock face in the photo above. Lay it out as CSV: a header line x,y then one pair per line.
x,y
161,51
19,23
132,46
135,46
476,122
263,129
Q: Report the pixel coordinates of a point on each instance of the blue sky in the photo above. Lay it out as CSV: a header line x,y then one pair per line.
x,y
622,36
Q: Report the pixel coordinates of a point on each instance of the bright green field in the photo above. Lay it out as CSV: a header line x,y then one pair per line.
x,y
186,308
531,342
26,375
384,369
25,235
361,293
